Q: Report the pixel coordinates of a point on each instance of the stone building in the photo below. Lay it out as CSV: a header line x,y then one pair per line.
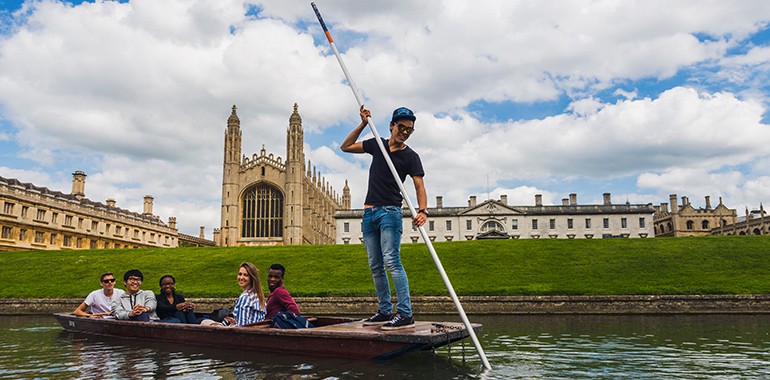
x,y
756,222
37,218
686,220
269,201
196,241
496,219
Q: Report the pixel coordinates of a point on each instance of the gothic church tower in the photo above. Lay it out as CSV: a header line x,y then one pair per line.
x,y
295,172
230,181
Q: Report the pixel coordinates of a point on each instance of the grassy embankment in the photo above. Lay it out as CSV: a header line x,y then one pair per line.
x,y
712,265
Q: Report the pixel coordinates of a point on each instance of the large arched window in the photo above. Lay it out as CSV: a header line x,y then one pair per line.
x,y
690,224
262,212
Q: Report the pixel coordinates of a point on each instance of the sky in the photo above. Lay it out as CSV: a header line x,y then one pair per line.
x,y
640,99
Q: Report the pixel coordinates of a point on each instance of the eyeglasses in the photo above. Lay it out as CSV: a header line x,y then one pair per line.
x,y
108,280
134,279
404,128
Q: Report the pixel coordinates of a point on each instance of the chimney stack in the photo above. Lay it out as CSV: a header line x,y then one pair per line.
x,y
472,201
685,200
538,199
79,184
573,199
203,233
504,199
672,200
708,202
111,202
607,199
439,201
172,222
664,207
147,205
565,202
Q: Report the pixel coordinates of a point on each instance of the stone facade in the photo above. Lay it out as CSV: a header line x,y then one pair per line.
x,y
756,222
473,305
495,219
269,201
36,218
685,220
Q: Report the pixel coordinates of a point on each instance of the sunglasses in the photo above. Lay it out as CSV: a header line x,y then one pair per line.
x,y
404,129
108,280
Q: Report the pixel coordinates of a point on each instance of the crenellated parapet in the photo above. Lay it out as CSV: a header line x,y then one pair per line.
x,y
262,159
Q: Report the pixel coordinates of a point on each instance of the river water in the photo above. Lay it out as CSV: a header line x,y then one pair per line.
x,y
518,347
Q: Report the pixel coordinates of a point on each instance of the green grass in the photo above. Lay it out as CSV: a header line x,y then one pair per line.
x,y
710,265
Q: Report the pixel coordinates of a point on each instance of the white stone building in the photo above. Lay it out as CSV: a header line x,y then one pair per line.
x,y
495,219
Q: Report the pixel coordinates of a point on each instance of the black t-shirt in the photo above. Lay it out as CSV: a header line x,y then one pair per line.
x,y
383,189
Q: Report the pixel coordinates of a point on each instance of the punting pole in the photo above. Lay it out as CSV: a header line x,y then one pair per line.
x,y
393,171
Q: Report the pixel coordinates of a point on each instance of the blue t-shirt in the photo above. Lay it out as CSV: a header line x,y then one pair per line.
x,y
383,189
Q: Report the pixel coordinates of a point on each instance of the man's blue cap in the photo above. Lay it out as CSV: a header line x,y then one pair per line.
x,y
403,113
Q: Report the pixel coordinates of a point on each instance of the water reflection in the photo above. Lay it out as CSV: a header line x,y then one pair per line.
x,y
518,347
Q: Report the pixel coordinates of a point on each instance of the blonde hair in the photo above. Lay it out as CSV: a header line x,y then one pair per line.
x,y
254,282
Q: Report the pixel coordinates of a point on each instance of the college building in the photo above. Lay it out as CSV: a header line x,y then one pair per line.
x,y
756,222
267,200
37,218
496,219
686,220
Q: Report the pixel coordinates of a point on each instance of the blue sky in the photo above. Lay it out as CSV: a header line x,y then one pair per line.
x,y
637,99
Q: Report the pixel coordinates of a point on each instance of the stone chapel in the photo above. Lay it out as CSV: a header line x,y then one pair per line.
x,y
267,200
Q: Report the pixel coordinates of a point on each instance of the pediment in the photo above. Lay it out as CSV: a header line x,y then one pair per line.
x,y
491,207
492,234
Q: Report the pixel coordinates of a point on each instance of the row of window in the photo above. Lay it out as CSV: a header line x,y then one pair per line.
x,y
119,231
6,232
495,225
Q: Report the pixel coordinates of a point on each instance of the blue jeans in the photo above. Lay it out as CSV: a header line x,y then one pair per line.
x,y
181,317
382,227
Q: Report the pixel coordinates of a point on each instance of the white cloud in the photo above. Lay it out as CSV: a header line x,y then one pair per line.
x,y
140,93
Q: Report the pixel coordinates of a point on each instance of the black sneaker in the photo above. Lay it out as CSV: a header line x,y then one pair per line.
x,y
378,318
399,321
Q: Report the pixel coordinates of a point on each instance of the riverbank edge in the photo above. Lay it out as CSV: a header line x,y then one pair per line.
x,y
475,305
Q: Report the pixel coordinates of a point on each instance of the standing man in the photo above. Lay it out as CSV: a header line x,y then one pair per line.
x,y
279,299
100,301
135,304
382,225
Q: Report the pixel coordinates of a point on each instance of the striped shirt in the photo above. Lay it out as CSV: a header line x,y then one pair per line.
x,y
247,309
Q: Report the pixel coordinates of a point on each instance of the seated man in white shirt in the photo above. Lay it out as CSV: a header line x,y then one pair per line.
x,y
100,301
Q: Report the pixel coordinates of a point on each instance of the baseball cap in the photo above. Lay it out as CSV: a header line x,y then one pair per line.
x,y
403,113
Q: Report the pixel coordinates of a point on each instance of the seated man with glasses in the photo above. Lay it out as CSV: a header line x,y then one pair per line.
x,y
100,301
135,304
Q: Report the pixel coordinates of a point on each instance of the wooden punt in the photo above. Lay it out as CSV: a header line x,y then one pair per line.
x,y
333,337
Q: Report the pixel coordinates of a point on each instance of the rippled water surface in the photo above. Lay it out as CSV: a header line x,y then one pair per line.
x,y
518,347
